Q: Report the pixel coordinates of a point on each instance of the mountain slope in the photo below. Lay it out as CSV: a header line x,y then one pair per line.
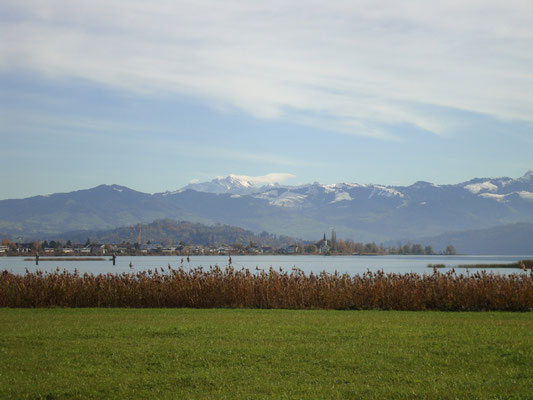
x,y
102,207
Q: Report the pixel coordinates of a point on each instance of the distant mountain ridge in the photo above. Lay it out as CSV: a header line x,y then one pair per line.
x,y
516,239
363,212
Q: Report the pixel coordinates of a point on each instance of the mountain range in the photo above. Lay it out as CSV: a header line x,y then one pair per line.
x,y
362,212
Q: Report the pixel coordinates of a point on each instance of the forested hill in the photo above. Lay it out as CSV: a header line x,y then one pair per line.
x,y
167,231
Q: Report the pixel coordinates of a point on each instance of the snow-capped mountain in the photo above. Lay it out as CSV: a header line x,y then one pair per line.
x,y
233,184
496,189
503,189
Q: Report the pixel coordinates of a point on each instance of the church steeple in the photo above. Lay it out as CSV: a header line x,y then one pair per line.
x,y
323,245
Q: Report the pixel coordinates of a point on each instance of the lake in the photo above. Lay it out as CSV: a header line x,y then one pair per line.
x,y
343,264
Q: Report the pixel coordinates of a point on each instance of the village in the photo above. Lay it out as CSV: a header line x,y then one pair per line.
x,y
77,249
322,247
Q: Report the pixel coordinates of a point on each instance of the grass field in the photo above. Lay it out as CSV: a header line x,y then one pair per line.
x,y
232,354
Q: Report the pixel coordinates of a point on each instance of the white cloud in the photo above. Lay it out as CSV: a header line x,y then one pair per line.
x,y
353,67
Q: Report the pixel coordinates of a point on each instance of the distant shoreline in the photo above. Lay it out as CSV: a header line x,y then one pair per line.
x,y
67,258
72,257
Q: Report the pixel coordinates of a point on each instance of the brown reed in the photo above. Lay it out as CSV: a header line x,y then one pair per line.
x,y
229,287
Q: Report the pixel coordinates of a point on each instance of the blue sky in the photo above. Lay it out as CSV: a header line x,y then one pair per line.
x,y
153,95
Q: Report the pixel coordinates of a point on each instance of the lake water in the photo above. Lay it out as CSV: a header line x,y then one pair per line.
x,y
343,264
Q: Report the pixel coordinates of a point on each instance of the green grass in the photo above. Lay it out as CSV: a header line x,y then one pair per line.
x,y
282,354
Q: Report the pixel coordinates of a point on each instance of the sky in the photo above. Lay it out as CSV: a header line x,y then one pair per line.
x,y
154,95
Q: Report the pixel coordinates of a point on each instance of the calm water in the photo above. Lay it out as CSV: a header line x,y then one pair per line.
x,y
343,264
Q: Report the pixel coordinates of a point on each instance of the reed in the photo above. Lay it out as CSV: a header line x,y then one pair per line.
x,y
523,265
231,288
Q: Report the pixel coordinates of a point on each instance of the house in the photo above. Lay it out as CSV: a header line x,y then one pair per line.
x,y
255,250
292,249
24,247
168,250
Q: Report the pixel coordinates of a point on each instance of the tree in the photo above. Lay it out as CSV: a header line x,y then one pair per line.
x,y
310,249
400,248
417,249
359,248
450,250
36,246
429,250
371,248
7,242
237,246
341,246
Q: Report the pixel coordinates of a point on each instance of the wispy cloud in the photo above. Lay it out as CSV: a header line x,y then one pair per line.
x,y
23,121
351,66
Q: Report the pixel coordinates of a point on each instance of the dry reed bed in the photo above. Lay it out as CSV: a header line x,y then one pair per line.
x,y
228,287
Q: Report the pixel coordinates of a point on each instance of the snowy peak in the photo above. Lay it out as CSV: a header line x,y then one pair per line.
x,y
233,184
480,187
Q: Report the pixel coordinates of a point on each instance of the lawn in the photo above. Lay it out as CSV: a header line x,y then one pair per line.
x,y
282,354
